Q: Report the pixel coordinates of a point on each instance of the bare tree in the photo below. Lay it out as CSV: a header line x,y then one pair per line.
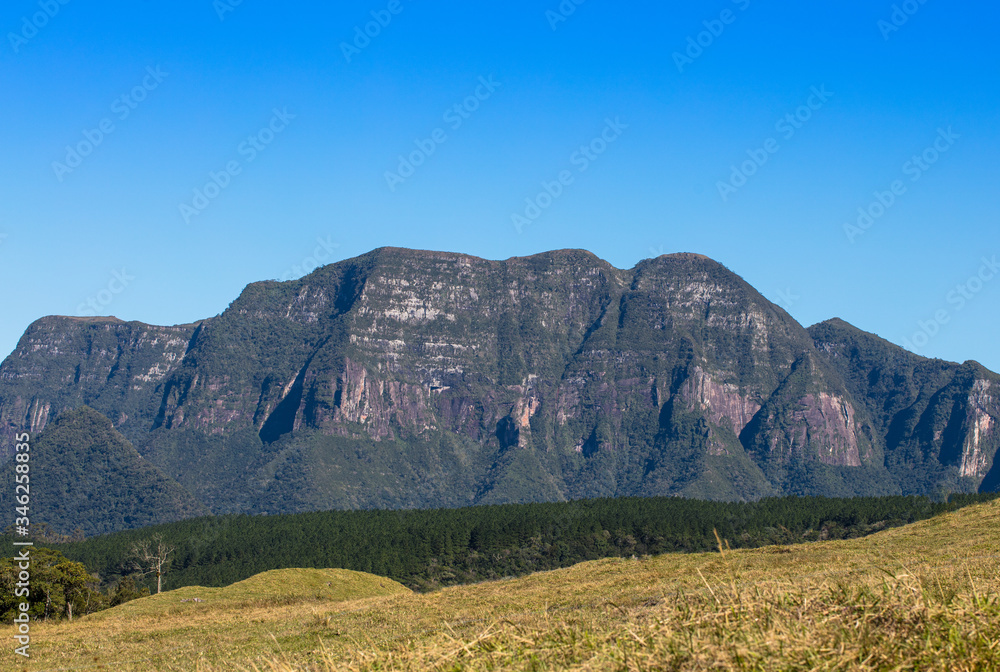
x,y
151,557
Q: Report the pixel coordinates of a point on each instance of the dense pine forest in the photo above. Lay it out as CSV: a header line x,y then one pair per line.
x,y
426,549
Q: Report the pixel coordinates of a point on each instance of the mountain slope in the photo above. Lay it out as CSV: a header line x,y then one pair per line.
x,y
87,476
407,378
62,363
938,418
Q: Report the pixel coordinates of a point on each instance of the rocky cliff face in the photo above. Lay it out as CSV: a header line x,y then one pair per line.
x,y
938,419
411,378
62,363
979,427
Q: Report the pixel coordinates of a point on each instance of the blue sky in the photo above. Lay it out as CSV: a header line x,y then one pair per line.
x,y
655,128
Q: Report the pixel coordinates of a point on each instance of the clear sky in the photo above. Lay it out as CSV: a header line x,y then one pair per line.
x,y
745,130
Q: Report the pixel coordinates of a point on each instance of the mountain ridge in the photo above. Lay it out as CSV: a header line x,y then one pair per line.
x,y
415,378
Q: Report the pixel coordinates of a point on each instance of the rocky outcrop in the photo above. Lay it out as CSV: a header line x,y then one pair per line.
x,y
723,403
832,418
979,426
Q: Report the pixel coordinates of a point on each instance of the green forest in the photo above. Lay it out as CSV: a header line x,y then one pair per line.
x,y
427,549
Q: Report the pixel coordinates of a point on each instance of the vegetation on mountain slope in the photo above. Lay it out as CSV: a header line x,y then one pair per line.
x,y
935,416
86,476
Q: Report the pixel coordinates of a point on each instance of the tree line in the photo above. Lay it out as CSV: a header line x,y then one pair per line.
x,y
427,549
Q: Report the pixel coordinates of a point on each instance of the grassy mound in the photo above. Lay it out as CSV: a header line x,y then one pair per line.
x,y
923,597
269,589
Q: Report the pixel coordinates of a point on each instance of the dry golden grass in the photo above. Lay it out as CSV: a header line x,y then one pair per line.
x,y
924,597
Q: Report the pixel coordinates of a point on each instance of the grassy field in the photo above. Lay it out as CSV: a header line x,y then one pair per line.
x,y
923,597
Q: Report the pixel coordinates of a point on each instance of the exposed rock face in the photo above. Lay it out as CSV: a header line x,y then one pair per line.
x,y
833,418
722,403
979,434
411,378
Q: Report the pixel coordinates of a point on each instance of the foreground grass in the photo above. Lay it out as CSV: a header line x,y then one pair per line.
x,y
923,597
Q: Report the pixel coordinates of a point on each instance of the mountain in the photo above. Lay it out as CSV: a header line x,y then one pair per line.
x,y
85,475
938,419
406,378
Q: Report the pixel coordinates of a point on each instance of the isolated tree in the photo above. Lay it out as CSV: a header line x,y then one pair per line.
x,y
151,556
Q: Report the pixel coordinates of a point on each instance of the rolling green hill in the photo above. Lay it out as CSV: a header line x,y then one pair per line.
x,y
86,476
